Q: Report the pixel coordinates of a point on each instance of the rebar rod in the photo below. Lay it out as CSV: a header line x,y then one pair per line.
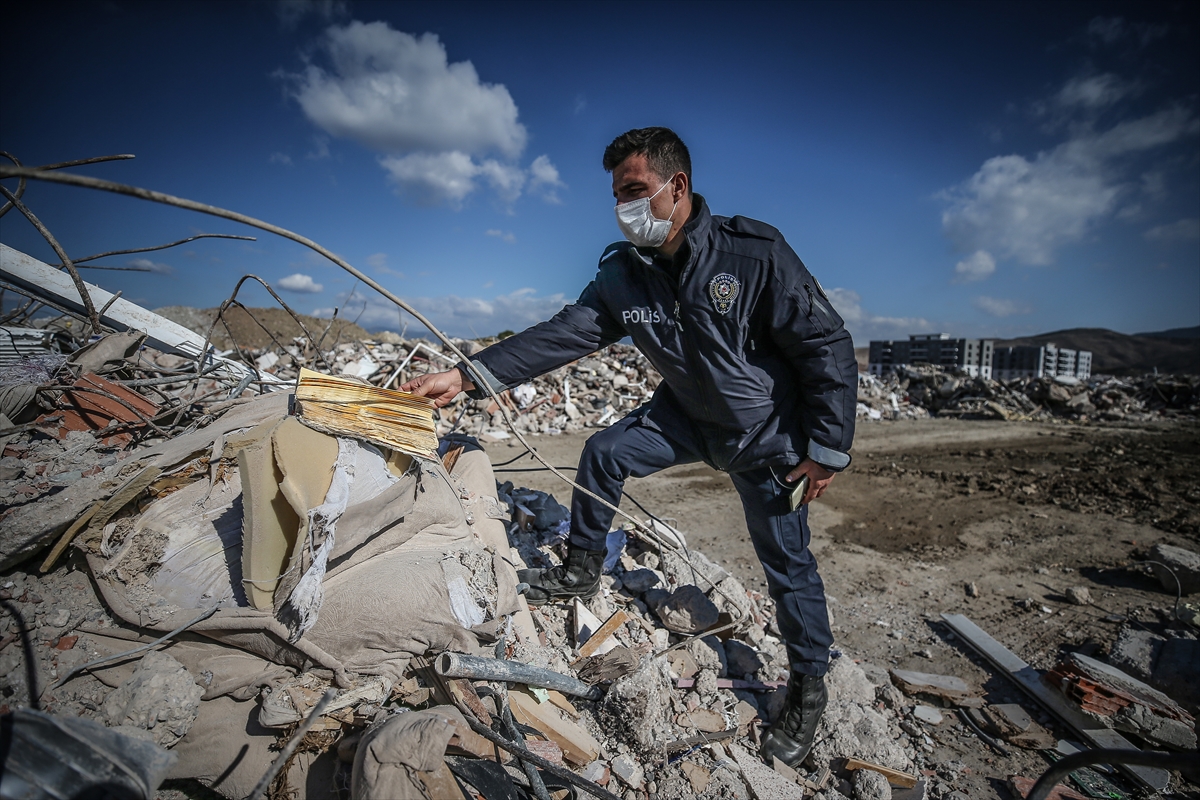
x,y
546,764
281,760
80,286
79,261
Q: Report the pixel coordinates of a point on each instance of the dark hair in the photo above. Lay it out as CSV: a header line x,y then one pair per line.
x,y
664,150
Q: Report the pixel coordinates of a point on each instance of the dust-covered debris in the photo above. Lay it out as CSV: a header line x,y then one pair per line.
x,y
160,697
921,391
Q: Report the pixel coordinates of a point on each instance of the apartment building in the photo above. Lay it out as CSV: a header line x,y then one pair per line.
x,y
973,356
979,357
1046,361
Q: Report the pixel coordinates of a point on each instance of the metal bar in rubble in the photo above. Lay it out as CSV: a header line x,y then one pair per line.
x,y
1030,680
42,280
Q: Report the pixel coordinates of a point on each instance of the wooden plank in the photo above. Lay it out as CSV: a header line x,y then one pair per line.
x,y
577,744
894,776
598,639
1029,679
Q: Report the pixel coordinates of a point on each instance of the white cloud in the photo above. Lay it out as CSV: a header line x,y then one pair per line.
x,y
281,158
299,282
976,267
1094,92
544,179
146,265
436,178
441,130
502,235
1181,231
460,316
395,92
290,12
998,307
864,326
1027,209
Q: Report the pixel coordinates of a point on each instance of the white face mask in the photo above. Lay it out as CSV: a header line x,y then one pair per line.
x,y
639,225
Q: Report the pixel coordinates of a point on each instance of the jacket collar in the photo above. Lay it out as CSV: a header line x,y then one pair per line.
x,y
694,232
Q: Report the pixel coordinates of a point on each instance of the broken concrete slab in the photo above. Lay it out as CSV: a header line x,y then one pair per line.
x,y
1176,564
852,723
764,782
870,785
629,771
893,777
1124,702
697,776
26,530
927,714
688,610
948,687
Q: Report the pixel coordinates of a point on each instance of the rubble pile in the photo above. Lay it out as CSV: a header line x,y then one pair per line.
x,y
591,392
921,391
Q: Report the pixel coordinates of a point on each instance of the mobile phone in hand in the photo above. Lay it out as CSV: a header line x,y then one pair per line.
x,y
798,492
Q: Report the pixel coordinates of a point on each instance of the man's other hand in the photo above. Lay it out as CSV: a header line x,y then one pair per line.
x,y
819,478
441,387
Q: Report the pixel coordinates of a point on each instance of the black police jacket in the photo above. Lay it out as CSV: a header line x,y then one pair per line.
x,y
753,357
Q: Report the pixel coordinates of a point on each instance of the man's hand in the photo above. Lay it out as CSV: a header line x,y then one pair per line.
x,y
819,478
441,387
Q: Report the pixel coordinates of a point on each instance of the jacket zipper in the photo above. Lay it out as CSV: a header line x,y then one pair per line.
x,y
687,355
818,307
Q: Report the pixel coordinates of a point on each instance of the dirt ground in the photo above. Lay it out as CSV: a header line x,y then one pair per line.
x,y
929,507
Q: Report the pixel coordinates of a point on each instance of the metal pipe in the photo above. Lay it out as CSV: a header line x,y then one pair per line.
x,y
458,665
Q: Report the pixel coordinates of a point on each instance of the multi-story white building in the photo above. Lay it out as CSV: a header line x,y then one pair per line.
x,y
980,357
1046,361
973,356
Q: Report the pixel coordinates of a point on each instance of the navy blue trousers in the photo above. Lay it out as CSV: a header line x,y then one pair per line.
x,y
780,535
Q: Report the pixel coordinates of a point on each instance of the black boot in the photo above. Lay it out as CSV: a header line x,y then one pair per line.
x,y
791,737
577,576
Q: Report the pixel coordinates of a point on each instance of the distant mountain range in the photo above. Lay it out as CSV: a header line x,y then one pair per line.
x,y
1172,351
1175,333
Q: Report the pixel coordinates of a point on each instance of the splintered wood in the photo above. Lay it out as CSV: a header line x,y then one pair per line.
x,y
386,417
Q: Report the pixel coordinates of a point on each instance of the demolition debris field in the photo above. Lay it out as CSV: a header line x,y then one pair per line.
x,y
1029,507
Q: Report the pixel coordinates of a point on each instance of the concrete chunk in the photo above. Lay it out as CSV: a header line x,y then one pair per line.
x,y
1185,564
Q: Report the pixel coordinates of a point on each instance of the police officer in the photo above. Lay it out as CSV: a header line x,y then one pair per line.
x,y
759,380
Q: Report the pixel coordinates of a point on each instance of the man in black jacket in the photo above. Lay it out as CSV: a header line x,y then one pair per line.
x,y
759,380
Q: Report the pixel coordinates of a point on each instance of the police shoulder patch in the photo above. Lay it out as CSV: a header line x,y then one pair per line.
x,y
723,290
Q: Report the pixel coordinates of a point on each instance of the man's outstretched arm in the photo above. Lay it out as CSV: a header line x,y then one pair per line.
x,y
577,330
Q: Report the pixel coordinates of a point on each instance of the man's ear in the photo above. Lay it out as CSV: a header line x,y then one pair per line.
x,y
680,188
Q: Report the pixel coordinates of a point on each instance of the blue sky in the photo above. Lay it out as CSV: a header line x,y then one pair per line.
x,y
981,169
